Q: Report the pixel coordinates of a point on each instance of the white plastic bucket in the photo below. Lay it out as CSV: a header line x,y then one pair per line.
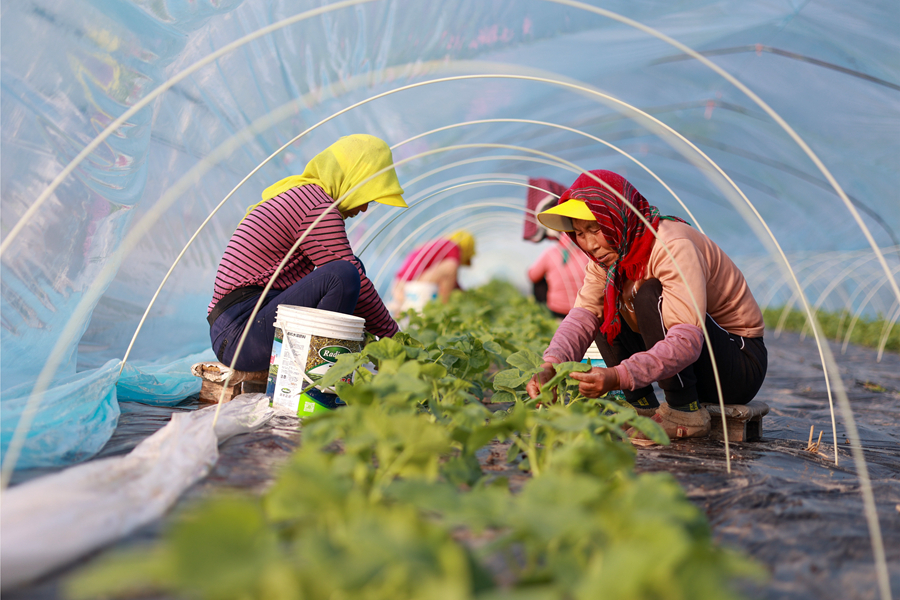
x,y
416,294
307,342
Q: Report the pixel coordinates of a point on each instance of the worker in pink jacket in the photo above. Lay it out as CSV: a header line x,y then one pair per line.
x,y
562,267
558,272
436,262
651,284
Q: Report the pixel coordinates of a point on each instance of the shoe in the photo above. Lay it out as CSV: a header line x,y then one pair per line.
x,y
646,406
645,412
678,424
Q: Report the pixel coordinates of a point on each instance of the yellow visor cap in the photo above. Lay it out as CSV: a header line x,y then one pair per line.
x,y
559,218
393,201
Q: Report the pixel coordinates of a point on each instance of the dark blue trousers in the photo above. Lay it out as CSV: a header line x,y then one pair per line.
x,y
334,286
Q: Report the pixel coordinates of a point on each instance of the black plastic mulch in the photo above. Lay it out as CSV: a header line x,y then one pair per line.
x,y
793,511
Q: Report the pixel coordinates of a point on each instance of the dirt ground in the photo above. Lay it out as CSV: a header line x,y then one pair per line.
x,y
794,511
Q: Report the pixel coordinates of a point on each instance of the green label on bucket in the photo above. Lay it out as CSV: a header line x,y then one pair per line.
x,y
331,353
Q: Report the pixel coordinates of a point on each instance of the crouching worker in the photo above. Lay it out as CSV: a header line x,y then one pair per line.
x,y
323,272
436,262
639,309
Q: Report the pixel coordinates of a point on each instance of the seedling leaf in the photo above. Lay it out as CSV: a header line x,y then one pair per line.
x,y
510,379
527,361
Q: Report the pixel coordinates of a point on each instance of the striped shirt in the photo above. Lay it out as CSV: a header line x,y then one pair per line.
x,y
423,258
264,237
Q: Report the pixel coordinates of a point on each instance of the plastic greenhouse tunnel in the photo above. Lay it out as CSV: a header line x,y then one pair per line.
x,y
136,136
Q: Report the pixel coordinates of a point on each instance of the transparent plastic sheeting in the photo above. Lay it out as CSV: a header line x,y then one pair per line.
x,y
828,67
52,520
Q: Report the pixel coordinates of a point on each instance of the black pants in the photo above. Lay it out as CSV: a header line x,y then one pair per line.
x,y
741,361
540,290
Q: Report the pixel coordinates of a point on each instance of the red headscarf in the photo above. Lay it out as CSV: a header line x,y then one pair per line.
x,y
623,230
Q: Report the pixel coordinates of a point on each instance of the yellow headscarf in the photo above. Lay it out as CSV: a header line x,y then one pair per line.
x,y
466,244
343,165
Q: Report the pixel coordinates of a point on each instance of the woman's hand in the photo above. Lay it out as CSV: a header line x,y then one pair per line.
x,y
534,386
596,382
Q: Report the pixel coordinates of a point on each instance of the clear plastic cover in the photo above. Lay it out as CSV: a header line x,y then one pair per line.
x,y
528,89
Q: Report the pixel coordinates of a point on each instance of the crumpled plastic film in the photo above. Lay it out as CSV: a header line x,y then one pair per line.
x,y
161,385
51,521
73,419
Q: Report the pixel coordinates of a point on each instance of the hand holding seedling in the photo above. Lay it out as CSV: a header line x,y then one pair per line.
x,y
534,385
596,382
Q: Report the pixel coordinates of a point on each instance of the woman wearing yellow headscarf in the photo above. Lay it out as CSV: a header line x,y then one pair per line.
x,y
435,264
323,272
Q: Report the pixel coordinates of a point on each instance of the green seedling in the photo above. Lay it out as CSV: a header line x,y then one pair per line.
x,y
386,498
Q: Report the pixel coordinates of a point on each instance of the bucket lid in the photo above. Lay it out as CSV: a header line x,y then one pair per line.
x,y
320,323
318,315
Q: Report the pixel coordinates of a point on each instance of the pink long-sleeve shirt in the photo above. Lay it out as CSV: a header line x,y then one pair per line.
x,y
562,265
426,256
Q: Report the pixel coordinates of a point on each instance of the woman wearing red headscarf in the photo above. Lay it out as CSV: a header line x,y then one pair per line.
x,y
638,304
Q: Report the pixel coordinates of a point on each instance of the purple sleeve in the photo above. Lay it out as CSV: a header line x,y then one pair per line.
x,y
681,347
574,335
